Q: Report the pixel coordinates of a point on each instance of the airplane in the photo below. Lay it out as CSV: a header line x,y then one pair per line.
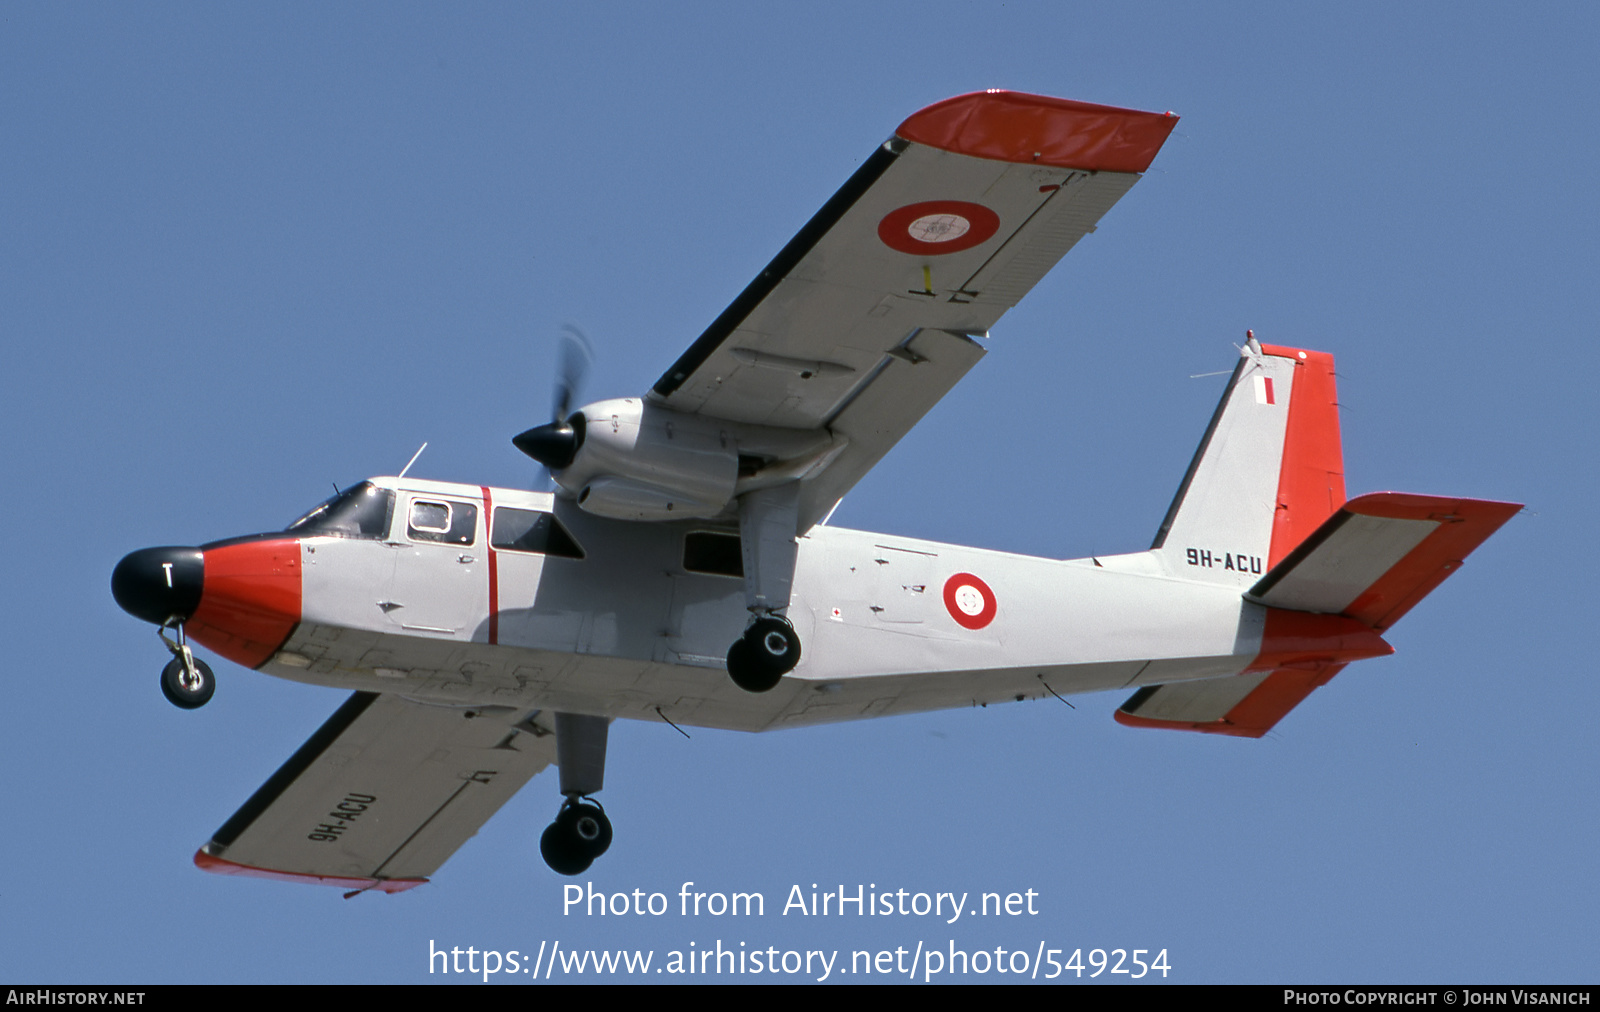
x,y
684,570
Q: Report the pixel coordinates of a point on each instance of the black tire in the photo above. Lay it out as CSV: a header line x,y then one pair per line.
x,y
187,696
774,644
589,828
559,849
747,671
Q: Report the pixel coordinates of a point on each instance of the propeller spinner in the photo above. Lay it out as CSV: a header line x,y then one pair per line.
x,y
556,443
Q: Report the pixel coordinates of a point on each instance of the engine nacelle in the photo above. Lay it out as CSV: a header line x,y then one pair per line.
x,y
637,461
633,460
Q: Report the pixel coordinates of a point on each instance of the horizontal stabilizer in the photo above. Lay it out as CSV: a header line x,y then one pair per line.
x,y
1244,706
381,795
1380,554
1351,579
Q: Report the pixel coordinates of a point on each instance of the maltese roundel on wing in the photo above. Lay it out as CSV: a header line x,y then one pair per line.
x,y
970,601
936,227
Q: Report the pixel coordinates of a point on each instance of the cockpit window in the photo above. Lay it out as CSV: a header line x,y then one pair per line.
x,y
361,511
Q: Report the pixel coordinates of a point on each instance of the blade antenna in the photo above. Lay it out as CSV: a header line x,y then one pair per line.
x,y
413,460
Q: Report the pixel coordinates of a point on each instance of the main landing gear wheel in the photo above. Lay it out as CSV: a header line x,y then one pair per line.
x,y
580,834
768,650
188,690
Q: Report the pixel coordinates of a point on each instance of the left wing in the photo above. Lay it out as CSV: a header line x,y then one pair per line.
x,y
381,795
866,318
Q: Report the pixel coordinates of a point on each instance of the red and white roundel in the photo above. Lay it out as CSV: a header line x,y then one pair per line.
x,y
936,227
970,601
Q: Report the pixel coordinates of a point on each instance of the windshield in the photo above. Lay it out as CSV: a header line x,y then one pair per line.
x,y
361,511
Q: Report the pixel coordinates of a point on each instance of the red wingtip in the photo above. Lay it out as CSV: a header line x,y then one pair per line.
x,y
1012,126
219,866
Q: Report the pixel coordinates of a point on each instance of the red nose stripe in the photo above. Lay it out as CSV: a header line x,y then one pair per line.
x,y
251,600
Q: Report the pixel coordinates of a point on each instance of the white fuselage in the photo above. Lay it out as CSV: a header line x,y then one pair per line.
x,y
626,629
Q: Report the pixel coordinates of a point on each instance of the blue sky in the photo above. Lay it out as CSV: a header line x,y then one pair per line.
x,y
248,251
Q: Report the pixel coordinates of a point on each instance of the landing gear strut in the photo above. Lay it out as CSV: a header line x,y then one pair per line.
x,y
769,648
186,681
581,831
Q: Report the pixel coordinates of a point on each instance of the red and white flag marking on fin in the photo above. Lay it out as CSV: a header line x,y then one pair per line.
x,y
1264,393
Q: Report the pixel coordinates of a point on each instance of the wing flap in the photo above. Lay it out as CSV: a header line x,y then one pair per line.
x,y
906,386
381,795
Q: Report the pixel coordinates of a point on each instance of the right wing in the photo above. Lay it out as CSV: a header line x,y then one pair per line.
x,y
866,318
381,795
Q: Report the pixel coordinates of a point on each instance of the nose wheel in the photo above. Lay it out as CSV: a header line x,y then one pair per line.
x,y
188,689
186,681
580,834
767,651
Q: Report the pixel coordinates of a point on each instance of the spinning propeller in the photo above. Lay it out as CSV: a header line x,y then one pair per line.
x,y
555,443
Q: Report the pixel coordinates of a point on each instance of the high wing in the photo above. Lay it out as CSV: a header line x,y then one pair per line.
x,y
381,795
867,317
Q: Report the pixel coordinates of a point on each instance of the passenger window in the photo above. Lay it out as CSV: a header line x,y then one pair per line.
x,y
450,523
532,531
712,553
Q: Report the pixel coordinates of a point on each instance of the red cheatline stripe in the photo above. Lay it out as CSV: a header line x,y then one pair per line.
x,y
494,566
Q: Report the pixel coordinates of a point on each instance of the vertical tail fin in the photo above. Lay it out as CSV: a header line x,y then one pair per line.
x,y
1269,470
1267,487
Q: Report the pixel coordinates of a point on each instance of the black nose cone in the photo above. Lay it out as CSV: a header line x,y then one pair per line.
x,y
159,584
